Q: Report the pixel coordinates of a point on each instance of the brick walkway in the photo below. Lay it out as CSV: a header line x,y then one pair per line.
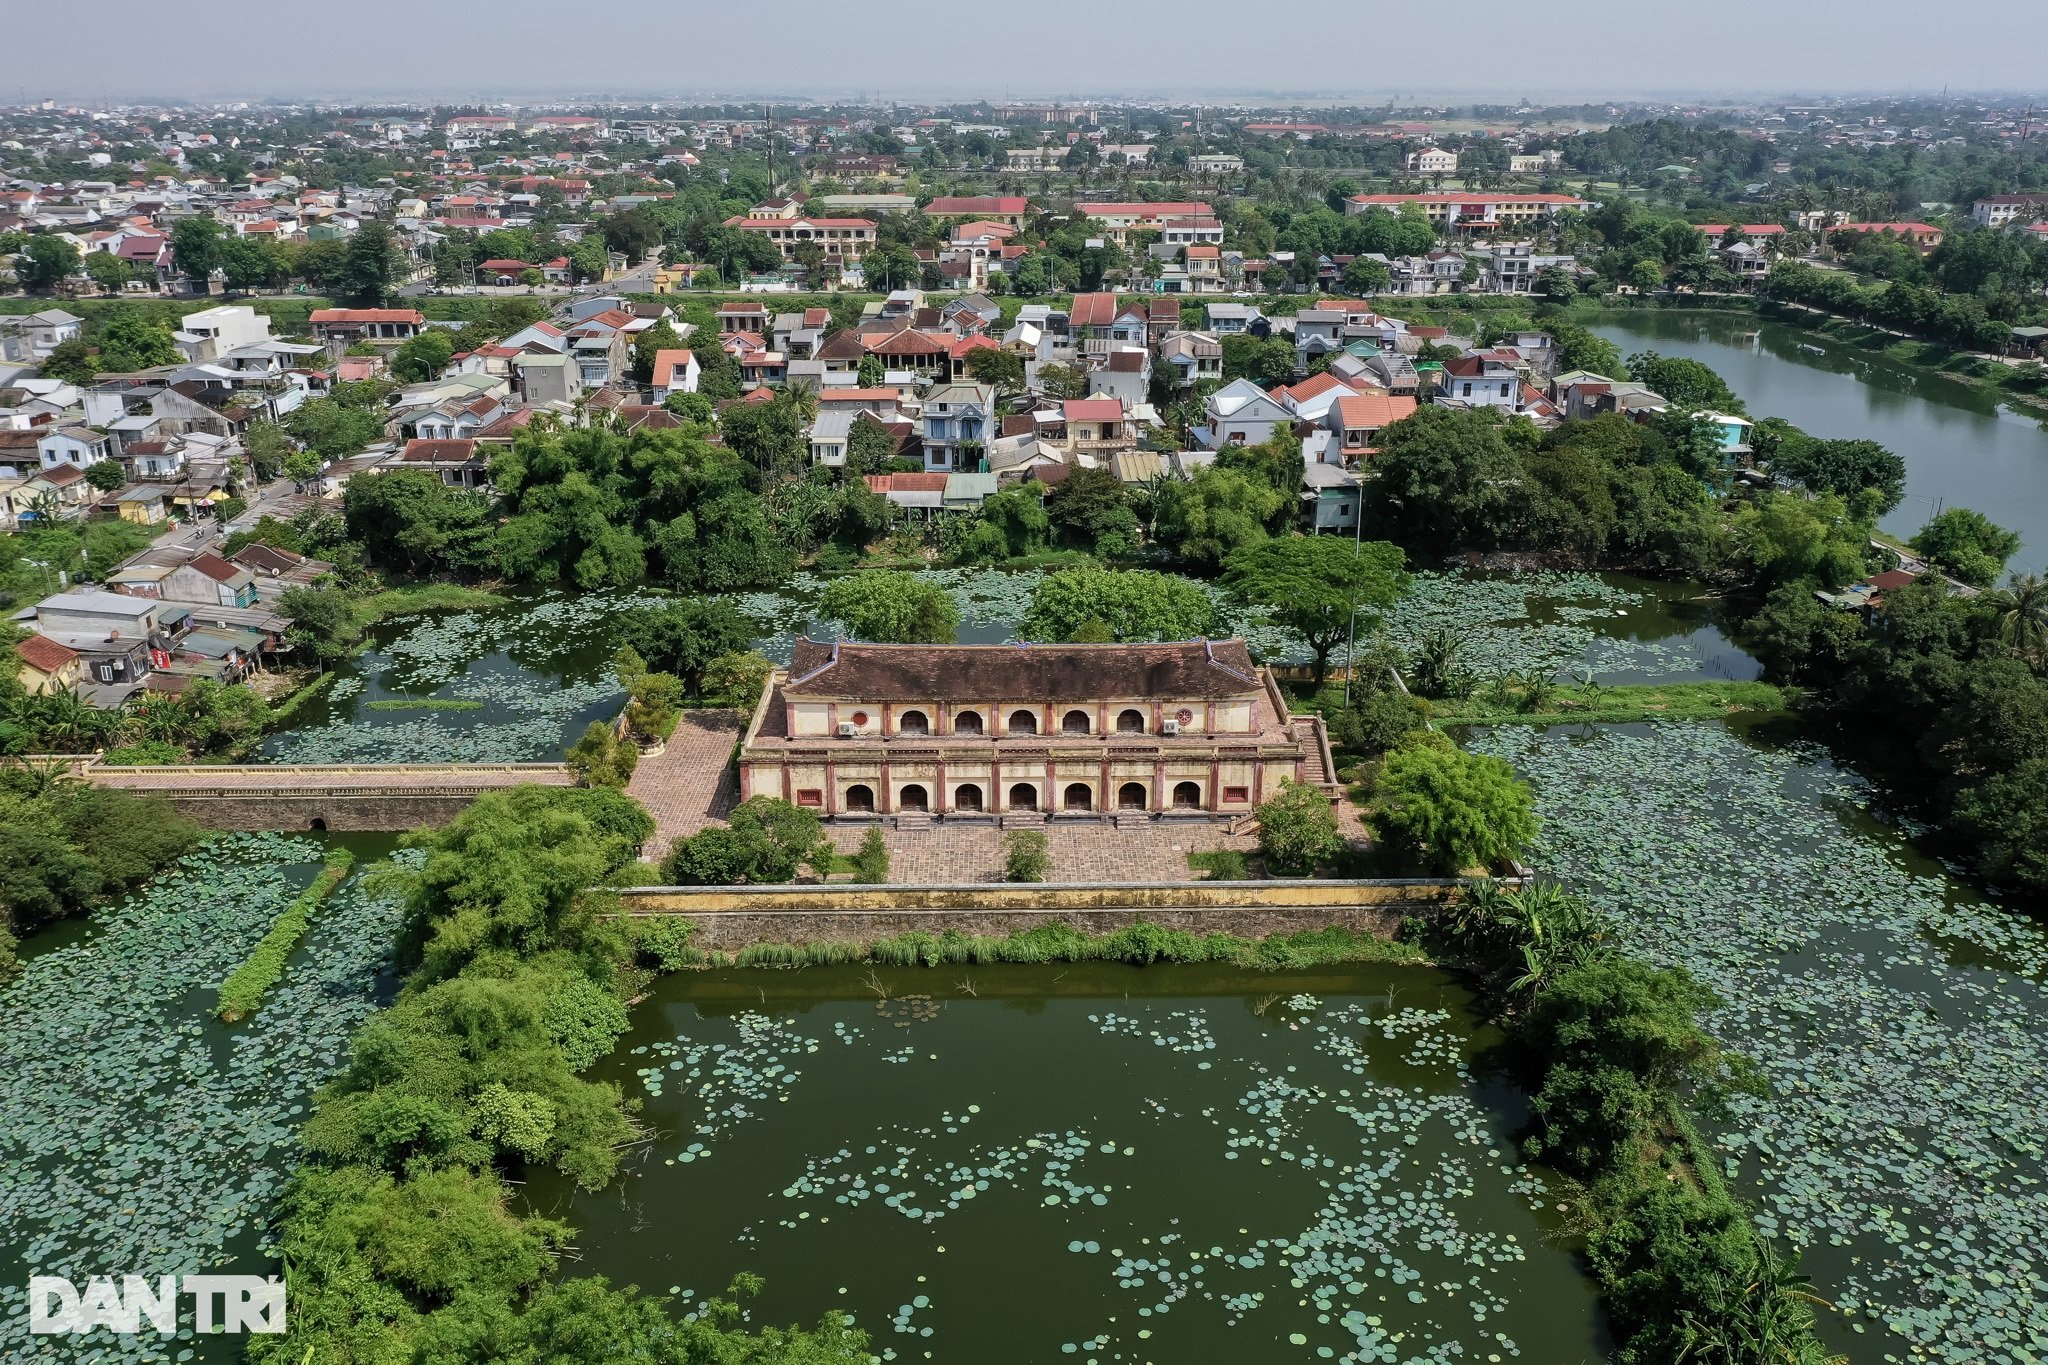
x,y
691,782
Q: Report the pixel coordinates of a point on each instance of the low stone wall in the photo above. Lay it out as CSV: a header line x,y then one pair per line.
x,y
242,810
729,918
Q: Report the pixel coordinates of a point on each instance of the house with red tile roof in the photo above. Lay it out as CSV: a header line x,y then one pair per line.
x,y
1009,210
44,665
675,371
1357,419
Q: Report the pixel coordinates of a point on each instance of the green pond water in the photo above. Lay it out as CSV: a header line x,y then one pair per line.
x,y
1961,446
138,1134
1107,1163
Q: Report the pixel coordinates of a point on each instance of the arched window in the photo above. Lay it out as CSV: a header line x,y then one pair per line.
x,y
967,723
1131,796
1023,796
1075,722
1187,796
967,796
913,797
1023,722
1130,721
913,723
860,799
1078,797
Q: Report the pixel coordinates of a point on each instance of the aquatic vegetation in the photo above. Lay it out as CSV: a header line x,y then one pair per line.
x,y
1895,1020
135,1131
1358,1200
423,704
244,988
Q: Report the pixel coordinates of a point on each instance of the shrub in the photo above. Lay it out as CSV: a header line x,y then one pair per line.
x,y
144,752
871,861
664,940
601,758
766,841
1025,858
1298,830
1221,865
737,679
1446,810
1378,721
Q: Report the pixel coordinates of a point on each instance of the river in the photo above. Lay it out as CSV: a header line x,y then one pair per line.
x,y
1961,446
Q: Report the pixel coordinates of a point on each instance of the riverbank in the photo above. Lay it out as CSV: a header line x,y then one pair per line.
x,y
2026,389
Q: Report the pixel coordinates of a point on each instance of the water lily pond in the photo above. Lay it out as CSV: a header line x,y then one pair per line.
x,y
1099,1162
137,1133
1899,1021
534,672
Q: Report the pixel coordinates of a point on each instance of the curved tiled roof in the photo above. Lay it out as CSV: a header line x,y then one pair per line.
x,y
875,673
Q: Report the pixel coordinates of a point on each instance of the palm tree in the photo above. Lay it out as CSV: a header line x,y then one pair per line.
x,y
69,722
2023,618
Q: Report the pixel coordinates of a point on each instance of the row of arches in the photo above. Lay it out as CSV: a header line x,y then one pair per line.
x,y
1022,721
1023,796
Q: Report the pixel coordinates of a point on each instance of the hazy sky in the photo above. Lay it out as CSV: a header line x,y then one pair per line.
x,y
683,48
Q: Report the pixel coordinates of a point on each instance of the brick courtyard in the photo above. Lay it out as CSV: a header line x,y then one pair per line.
x,y
690,784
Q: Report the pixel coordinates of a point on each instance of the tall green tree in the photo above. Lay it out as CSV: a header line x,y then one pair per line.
x,y
374,265
1321,587
1447,478
1128,604
46,262
684,636
889,606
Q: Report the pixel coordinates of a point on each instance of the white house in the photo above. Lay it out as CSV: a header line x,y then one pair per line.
x,y
675,371
80,446
1239,414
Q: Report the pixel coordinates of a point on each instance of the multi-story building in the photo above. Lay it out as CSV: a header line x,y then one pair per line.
x,y
2001,210
1467,212
958,423
782,222
1024,731
1120,217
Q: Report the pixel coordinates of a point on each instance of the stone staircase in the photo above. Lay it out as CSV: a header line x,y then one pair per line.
x,y
1320,768
913,819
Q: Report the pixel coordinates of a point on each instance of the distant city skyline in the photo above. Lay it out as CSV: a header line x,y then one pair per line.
x,y
1569,51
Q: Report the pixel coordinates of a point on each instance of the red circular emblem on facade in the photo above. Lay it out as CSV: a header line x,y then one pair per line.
x,y
860,718
1185,716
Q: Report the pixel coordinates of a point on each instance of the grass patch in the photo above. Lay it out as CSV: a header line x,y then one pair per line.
x,y
1610,705
1221,865
664,942
283,710
243,991
412,597
424,704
